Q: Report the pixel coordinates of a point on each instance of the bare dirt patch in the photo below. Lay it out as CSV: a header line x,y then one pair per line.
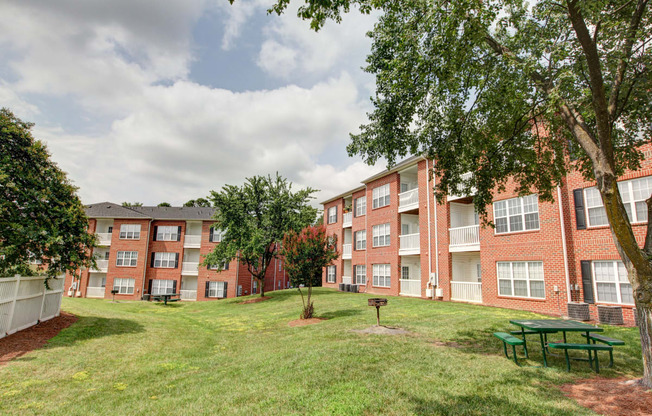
x,y
255,300
304,322
612,397
450,344
382,330
22,342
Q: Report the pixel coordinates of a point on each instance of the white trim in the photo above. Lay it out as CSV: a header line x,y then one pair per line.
x,y
522,215
383,197
527,279
386,235
617,283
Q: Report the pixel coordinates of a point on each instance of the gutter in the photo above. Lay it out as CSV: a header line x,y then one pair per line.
x,y
149,226
563,243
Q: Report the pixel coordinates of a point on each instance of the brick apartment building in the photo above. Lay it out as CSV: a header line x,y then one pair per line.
x,y
152,250
555,258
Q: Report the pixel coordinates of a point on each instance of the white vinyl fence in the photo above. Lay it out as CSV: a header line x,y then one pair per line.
x,y
24,302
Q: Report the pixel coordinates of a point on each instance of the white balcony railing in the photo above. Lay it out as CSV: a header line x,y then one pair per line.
x,y
457,194
103,239
465,236
466,291
347,220
409,244
189,268
192,241
188,294
408,200
101,266
346,251
95,292
346,279
410,287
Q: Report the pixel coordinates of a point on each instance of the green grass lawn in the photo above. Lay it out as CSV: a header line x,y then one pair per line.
x,y
222,357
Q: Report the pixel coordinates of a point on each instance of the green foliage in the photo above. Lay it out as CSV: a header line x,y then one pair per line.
x,y
164,204
199,202
41,216
254,218
132,204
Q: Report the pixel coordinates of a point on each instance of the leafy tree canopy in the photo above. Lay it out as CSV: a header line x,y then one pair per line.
x,y
132,204
41,216
164,204
199,202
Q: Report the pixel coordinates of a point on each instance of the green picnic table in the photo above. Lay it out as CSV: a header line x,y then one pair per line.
x,y
166,297
548,326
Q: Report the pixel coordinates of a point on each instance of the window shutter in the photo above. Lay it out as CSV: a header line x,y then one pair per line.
x,y
587,281
179,233
176,260
335,213
225,285
152,264
174,286
155,232
206,292
149,287
210,235
580,215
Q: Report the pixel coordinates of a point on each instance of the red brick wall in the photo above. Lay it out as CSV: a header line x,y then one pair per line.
x,y
137,273
359,257
335,228
165,247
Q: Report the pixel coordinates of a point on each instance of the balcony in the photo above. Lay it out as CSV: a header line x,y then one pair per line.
x,y
189,268
103,239
346,251
464,238
408,200
410,244
466,291
192,241
347,220
101,267
410,287
459,194
188,294
95,292
346,280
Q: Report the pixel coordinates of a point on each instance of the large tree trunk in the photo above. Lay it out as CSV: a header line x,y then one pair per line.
x,y
644,315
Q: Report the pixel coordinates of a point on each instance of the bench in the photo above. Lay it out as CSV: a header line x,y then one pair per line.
x,y
609,341
511,340
585,347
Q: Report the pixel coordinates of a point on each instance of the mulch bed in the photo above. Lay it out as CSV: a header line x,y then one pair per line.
x,y
22,342
612,397
255,300
304,322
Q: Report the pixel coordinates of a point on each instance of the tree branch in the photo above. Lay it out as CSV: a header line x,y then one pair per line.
x,y
647,247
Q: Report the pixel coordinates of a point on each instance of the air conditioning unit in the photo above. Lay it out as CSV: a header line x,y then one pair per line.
x,y
342,287
612,315
579,311
354,288
347,287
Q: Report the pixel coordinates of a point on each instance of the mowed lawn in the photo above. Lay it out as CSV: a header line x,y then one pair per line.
x,y
224,358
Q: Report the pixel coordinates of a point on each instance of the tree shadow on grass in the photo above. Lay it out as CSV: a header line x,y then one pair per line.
x,y
340,313
93,327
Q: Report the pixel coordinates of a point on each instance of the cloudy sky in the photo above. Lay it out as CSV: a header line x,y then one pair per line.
x,y
156,100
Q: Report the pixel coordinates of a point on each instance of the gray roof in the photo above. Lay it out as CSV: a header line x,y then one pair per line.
x,y
111,210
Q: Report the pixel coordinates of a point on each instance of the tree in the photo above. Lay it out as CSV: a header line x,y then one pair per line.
x,y
254,218
41,217
132,204
306,254
199,202
164,204
504,89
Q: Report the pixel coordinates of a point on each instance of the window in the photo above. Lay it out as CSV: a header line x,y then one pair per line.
x,y
167,233
361,275
332,215
361,206
405,272
165,260
217,289
124,286
280,265
611,282
381,275
162,287
225,266
517,214
361,240
330,276
127,258
216,235
380,196
633,192
521,278
130,231
255,288
381,235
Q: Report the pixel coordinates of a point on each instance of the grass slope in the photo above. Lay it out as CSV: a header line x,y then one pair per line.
x,y
227,358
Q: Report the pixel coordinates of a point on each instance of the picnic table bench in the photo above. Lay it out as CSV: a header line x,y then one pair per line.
x,y
167,297
511,340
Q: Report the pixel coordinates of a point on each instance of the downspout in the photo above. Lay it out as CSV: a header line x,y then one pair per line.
x,y
563,243
149,226
366,249
429,225
434,185
237,273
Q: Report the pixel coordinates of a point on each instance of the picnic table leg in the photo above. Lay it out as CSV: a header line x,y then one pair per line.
x,y
589,351
514,352
524,342
566,354
543,350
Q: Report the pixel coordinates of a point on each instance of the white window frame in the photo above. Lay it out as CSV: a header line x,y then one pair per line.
x,y
528,279
361,206
380,196
218,234
165,260
361,243
225,266
617,266
381,233
520,202
167,233
162,286
405,271
382,275
630,201
126,259
129,232
332,215
124,286
215,289
360,274
331,275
